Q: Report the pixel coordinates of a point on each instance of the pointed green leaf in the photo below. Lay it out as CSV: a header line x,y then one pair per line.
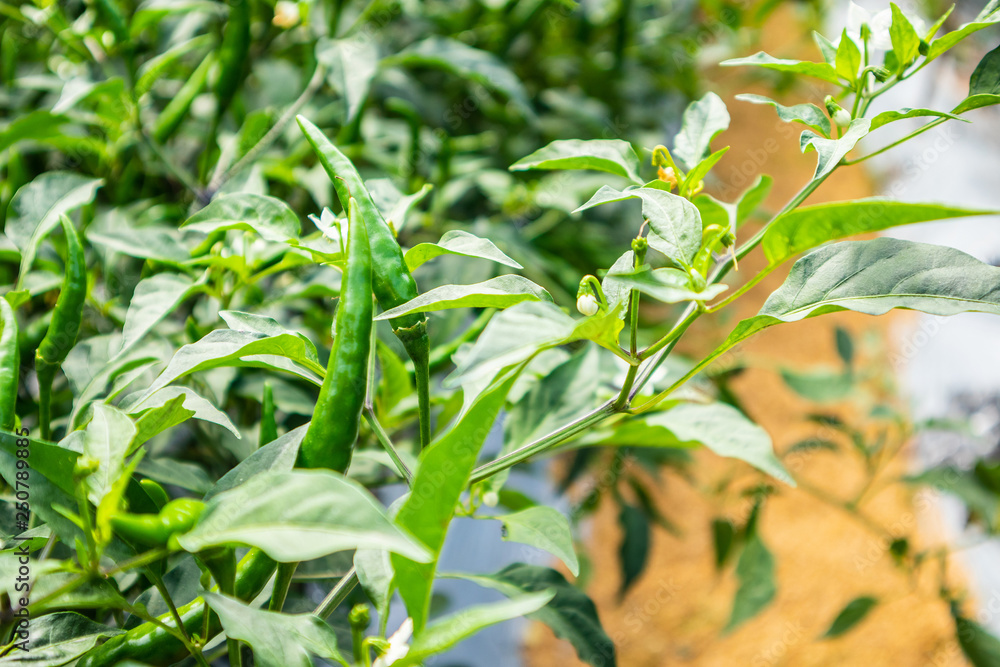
x,y
666,285
267,216
823,71
499,292
809,115
106,439
848,59
611,155
352,65
441,477
755,571
887,117
545,528
675,222
35,209
458,242
571,614
986,77
277,640
830,152
809,226
905,40
950,39
634,548
154,298
701,122
300,515
445,633
853,613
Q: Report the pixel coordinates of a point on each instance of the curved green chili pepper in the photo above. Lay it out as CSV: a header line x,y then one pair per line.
x,y
177,109
10,365
65,325
330,439
155,530
391,281
233,53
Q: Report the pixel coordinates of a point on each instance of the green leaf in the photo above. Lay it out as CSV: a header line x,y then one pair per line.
x,y
35,209
277,640
755,571
499,292
675,221
170,471
271,218
701,122
950,39
276,456
161,409
809,115
823,71
106,439
352,64
976,102
985,80
978,644
38,125
375,574
445,633
887,117
467,62
296,516
751,198
511,337
722,540
809,226
223,347
719,426
700,171
967,487
830,152
634,548
154,298
60,638
571,614
441,477
666,285
611,155
853,613
545,528
848,58
905,40
819,386
458,242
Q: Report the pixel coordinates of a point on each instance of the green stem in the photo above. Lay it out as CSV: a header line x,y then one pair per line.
x,y
46,375
282,582
338,594
390,449
422,378
585,422
918,131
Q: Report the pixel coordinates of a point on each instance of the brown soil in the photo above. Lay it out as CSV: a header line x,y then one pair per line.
x,y
676,612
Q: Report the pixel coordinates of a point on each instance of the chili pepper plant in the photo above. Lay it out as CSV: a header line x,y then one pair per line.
x,y
250,451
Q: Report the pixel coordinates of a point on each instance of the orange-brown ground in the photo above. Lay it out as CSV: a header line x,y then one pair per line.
x,y
676,612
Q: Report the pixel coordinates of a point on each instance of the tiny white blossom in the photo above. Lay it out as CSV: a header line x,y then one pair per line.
x,y
286,14
398,646
587,304
842,117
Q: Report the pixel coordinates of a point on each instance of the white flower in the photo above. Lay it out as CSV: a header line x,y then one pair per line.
x,y
842,117
331,227
587,304
286,14
398,647
878,25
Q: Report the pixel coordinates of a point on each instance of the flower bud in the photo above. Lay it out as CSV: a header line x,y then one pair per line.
x,y
697,280
587,304
491,498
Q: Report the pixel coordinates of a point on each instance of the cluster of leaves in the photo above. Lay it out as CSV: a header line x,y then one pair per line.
x,y
157,130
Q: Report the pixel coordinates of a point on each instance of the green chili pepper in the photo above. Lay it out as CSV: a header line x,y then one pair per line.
x,y
10,365
177,109
391,280
233,53
334,429
65,326
178,516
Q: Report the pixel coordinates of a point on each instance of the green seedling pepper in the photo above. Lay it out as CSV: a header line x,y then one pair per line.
x,y
155,530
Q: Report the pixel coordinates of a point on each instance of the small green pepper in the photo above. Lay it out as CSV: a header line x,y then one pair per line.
x,y
10,364
233,53
64,327
155,530
177,109
329,442
392,282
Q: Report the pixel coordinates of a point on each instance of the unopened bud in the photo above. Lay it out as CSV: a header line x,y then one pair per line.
x,y
587,304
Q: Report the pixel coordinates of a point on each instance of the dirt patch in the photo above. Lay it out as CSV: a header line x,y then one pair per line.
x,y
676,612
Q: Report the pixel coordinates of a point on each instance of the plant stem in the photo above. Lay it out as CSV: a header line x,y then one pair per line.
x,y
559,435
918,131
282,581
338,594
390,449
